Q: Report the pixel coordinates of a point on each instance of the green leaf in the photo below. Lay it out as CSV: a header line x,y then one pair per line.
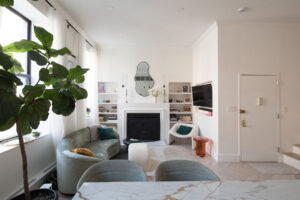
x,y
5,61
38,58
61,52
44,75
8,124
35,91
50,93
6,84
22,46
59,84
17,67
63,103
6,2
40,108
9,106
78,92
10,77
77,74
59,71
44,37
25,115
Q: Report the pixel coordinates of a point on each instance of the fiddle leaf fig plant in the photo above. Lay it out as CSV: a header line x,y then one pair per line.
x,y
57,87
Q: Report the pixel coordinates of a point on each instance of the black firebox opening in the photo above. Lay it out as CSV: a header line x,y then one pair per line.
x,y
143,126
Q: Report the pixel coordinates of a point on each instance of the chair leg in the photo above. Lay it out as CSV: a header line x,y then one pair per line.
x,y
193,143
171,139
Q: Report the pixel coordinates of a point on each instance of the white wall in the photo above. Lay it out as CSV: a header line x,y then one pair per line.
x,y
205,68
119,63
254,48
40,156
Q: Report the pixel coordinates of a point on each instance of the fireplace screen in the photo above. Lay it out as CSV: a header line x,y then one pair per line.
x,y
143,126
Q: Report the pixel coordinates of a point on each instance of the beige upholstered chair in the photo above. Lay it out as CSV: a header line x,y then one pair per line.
x,y
173,133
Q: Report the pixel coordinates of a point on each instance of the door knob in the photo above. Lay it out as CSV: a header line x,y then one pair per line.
x,y
244,124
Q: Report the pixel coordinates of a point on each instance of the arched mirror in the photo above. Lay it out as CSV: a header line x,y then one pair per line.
x,y
143,79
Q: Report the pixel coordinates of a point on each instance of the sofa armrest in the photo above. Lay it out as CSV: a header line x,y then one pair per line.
x,y
70,167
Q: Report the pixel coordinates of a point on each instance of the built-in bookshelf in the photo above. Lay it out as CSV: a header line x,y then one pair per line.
x,y
181,102
108,98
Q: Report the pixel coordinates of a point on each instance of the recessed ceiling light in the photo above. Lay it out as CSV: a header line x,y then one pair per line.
x,y
242,9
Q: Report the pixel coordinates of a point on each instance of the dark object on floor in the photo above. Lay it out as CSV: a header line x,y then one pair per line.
x,y
123,154
39,194
52,178
127,142
183,170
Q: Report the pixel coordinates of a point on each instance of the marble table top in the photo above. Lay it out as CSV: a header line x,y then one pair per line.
x,y
227,190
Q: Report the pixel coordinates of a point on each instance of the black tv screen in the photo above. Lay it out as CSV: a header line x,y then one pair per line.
x,y
202,95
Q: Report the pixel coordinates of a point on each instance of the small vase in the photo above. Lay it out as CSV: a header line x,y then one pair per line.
x,y
155,99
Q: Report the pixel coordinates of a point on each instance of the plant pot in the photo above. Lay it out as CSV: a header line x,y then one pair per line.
x,y
45,194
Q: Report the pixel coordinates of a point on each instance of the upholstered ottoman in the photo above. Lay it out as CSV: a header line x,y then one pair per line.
x,y
139,153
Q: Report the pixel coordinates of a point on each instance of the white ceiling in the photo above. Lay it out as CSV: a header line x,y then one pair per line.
x,y
169,22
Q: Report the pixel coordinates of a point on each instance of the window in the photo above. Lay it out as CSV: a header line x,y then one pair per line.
x,y
14,27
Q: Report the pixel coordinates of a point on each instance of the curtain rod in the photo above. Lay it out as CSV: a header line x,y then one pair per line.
x,y
89,43
50,4
70,25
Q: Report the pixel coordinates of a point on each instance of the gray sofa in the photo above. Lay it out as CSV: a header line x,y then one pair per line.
x,y
70,166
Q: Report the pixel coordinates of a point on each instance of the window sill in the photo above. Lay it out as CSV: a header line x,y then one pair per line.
x,y
9,145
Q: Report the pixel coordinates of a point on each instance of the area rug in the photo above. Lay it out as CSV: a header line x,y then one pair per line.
x,y
275,168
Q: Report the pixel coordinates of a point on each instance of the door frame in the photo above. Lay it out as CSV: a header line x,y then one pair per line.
x,y
278,128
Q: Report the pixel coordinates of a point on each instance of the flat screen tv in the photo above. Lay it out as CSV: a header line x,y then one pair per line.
x,y
202,96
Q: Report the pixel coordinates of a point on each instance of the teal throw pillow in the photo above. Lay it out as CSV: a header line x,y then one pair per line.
x,y
184,130
106,133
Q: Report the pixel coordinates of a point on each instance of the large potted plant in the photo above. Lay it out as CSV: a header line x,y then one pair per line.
x,y
57,87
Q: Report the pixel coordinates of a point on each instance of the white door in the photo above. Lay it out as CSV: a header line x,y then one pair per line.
x,y
259,105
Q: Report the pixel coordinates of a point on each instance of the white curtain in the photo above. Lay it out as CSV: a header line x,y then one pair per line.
x,y
91,82
57,28
86,57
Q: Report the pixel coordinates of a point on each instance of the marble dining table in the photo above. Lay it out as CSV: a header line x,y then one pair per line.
x,y
226,190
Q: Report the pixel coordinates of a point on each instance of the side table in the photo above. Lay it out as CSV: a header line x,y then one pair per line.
x,y
200,145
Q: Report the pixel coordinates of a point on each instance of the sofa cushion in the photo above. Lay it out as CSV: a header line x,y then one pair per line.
x,y
106,133
104,149
78,138
184,130
83,151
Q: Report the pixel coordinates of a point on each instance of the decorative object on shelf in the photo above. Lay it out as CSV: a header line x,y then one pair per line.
x,y
143,80
187,99
186,118
178,90
173,117
114,109
186,109
170,100
88,112
107,101
101,118
35,134
185,88
155,93
101,88
126,93
179,101
113,117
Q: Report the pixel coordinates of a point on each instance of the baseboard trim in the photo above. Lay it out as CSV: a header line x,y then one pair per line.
x,y
228,158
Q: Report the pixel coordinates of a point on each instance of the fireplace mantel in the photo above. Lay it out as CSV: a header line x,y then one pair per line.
x,y
161,108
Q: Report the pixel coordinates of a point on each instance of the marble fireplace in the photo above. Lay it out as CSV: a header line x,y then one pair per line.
x,y
144,121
